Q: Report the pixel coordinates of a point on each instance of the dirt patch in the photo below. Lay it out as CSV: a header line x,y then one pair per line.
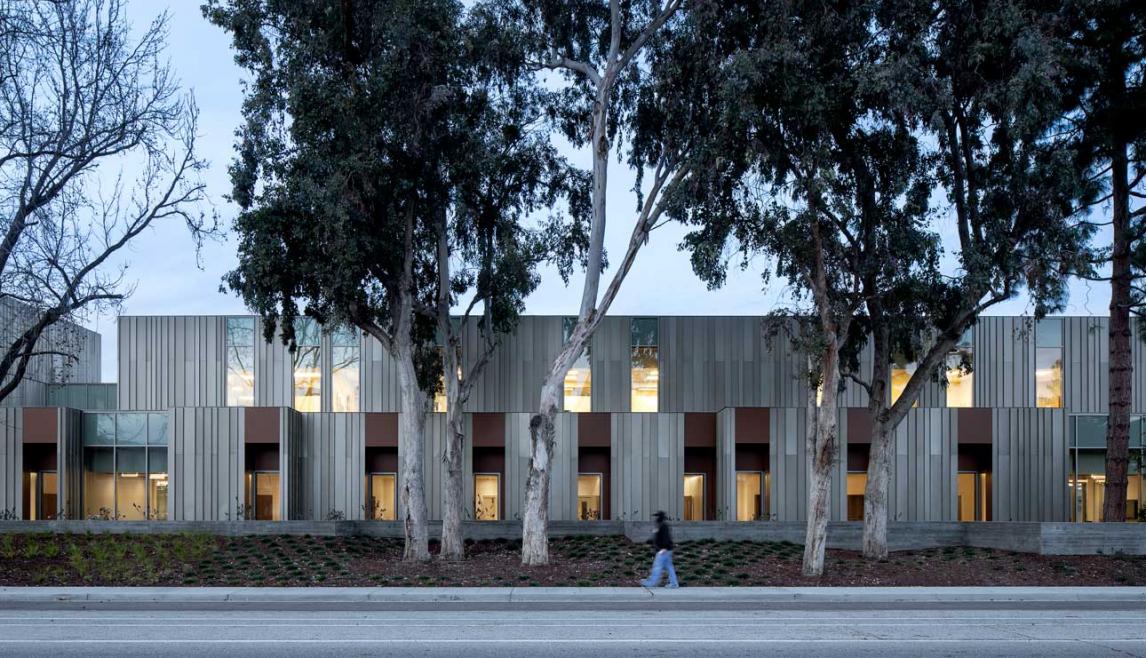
x,y
203,560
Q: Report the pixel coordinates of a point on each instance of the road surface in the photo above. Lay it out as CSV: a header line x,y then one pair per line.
x,y
238,630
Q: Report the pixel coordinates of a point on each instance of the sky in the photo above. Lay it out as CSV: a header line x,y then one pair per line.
x,y
170,278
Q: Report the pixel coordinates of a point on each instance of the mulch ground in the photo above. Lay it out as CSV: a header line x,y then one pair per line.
x,y
202,560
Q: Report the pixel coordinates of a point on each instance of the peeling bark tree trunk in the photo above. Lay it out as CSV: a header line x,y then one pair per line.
x,y
412,439
535,519
1118,423
822,451
453,546
875,511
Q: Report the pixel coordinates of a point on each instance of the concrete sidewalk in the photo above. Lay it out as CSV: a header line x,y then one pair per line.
x,y
570,597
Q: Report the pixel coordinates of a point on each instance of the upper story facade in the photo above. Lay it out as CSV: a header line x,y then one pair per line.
x,y
69,354
634,364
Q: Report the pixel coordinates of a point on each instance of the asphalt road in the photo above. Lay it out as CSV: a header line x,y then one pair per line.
x,y
238,631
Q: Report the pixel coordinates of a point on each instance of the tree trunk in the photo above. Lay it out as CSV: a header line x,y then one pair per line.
x,y
412,439
453,502
1118,423
822,460
875,512
535,520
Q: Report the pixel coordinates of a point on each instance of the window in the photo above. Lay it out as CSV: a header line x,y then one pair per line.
x,y
307,365
974,496
960,378
1048,363
694,497
125,466
750,496
645,365
263,491
901,372
589,496
40,495
857,484
1087,479
487,497
382,496
441,402
240,362
345,356
579,379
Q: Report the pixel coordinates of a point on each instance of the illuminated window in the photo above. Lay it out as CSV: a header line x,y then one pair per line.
x,y
344,363
579,379
441,402
240,346
41,493
750,504
263,496
1087,460
645,366
694,497
857,484
307,365
589,496
1048,363
901,372
382,496
974,496
487,494
960,378
125,466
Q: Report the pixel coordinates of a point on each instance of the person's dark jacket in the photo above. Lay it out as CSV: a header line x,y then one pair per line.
x,y
662,540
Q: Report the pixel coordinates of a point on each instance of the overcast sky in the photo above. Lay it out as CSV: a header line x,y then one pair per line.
x,y
169,280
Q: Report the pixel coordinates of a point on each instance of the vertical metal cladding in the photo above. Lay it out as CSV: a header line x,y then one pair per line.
x,y
47,370
11,461
647,456
207,463
1029,456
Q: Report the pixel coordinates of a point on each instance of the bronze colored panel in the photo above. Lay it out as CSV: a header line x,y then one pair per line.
x,y
699,430
262,457
489,430
858,457
382,430
262,425
40,457
859,426
381,460
40,425
751,425
594,430
975,426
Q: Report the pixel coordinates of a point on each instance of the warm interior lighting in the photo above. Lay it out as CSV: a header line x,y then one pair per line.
x,y
578,389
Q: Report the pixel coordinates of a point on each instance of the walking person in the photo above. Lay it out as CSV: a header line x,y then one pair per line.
x,y
662,542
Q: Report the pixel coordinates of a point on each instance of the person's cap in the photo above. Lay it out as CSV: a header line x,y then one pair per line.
x,y
659,516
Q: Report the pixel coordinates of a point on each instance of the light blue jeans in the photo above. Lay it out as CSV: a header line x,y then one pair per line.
x,y
661,562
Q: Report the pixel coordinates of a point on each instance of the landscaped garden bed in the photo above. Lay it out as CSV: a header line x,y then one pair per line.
x,y
205,560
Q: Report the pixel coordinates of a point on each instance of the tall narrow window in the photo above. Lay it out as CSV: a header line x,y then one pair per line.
x,y
693,497
645,365
579,379
344,359
960,382
901,372
749,496
240,346
487,496
307,366
441,401
1048,363
589,496
857,488
382,496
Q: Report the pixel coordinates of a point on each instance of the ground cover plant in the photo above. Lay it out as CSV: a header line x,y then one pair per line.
x,y
278,561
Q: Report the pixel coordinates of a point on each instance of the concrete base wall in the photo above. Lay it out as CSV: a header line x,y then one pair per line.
x,y
1042,538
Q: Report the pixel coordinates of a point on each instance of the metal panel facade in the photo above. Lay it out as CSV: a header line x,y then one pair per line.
x,y
206,460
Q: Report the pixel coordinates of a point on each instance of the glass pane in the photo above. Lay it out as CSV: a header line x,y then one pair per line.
x,y
241,331
382,497
967,491
99,483
131,460
579,387
157,496
307,379
645,379
1048,332
693,497
131,429
644,332
157,460
857,483
344,337
1089,432
1048,377
344,379
240,362
967,340
589,497
960,379
486,494
131,483
749,494
900,374
157,429
265,490
99,429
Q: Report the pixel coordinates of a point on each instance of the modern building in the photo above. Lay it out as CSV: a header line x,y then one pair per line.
x,y
703,417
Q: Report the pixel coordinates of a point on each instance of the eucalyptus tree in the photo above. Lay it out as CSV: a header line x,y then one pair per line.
x,y
1108,60
342,173
597,53
97,143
